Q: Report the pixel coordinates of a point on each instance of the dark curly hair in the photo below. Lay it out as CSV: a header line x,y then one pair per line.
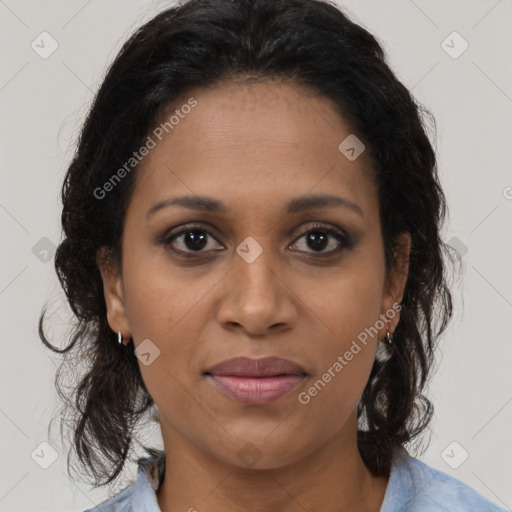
x,y
205,42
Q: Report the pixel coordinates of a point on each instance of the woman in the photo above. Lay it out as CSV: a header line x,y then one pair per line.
x,y
252,246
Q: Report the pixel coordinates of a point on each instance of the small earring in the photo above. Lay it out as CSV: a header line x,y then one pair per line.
x,y
120,338
389,337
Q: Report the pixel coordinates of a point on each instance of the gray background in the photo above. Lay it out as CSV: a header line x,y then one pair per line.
x,y
43,103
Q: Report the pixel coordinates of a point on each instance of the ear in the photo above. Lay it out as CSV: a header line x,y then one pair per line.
x,y
395,284
113,292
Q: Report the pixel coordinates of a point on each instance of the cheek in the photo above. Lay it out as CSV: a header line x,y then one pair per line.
x,y
349,304
347,358
160,298
170,306
172,315
346,311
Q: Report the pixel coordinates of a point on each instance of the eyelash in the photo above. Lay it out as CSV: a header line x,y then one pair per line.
x,y
344,240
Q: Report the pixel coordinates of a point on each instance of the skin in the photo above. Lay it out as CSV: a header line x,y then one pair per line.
x,y
254,147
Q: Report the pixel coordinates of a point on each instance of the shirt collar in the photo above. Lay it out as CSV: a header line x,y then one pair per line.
x,y
151,472
150,475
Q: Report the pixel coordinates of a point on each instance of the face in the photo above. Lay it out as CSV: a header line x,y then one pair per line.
x,y
269,272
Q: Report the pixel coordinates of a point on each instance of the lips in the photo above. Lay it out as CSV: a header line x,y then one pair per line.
x,y
256,381
264,367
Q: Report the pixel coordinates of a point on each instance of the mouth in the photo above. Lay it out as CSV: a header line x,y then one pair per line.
x,y
256,381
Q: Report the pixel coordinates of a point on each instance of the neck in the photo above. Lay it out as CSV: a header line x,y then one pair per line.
x,y
332,479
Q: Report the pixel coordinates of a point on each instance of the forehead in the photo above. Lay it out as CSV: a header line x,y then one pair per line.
x,y
250,141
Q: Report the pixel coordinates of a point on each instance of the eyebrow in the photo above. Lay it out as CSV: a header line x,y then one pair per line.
x,y
295,205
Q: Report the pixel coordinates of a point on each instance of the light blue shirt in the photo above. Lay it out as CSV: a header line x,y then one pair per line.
x,y
412,487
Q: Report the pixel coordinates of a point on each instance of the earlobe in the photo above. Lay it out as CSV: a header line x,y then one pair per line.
x,y
113,292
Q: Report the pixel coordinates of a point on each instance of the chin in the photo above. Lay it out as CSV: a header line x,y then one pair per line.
x,y
260,453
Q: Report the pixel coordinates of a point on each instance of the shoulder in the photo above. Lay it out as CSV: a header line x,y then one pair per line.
x,y
141,494
416,487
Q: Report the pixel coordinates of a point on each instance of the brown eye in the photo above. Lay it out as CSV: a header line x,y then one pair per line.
x,y
195,240
191,240
322,239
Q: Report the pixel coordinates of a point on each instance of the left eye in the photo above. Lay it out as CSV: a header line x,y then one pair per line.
x,y
321,238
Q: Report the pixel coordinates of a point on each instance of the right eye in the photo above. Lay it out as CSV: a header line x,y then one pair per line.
x,y
190,240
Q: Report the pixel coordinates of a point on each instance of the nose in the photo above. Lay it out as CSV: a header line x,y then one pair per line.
x,y
257,300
